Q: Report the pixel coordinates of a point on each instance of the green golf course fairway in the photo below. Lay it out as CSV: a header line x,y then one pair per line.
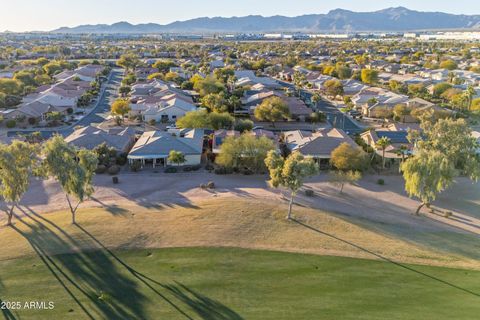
x,y
227,283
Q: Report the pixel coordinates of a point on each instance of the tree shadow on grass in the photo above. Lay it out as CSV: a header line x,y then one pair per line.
x,y
387,259
203,306
90,278
7,314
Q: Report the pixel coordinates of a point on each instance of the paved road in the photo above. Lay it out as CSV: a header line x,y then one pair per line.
x,y
334,116
97,115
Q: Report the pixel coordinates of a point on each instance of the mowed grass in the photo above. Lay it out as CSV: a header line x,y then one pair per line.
x,y
229,283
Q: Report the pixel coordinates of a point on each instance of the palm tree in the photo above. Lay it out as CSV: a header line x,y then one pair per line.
x,y
383,143
468,96
402,151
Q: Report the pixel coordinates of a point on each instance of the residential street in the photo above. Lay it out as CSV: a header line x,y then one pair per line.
x,y
97,115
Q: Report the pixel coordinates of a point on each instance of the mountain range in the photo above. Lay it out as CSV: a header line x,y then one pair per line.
x,y
338,20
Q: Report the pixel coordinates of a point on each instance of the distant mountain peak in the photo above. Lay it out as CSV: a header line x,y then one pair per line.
x,y
337,20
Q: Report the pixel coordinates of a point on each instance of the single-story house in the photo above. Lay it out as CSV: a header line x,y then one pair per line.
x,y
153,147
319,144
89,137
397,139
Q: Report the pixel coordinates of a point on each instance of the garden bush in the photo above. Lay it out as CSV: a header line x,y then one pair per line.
x,y
101,169
114,169
171,170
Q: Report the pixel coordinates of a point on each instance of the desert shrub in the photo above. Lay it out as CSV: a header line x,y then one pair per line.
x,y
381,182
196,167
11,123
171,170
114,169
32,121
101,169
203,186
223,170
135,166
121,160
309,193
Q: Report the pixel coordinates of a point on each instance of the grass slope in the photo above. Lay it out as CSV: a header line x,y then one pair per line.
x,y
222,222
226,283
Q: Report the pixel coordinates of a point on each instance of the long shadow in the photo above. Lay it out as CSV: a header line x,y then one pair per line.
x,y
36,217
141,277
7,314
203,306
386,259
376,217
88,275
112,208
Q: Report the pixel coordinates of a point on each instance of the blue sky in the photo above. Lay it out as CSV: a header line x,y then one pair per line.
x,y
23,15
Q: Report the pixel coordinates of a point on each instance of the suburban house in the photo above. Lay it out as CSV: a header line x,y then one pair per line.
x,y
159,101
161,109
60,97
319,144
144,72
89,137
36,110
298,109
371,99
86,73
248,78
153,147
352,87
397,140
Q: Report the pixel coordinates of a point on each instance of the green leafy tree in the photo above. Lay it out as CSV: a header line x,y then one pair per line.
x,y
272,109
128,61
208,85
347,157
290,173
194,119
445,149
10,86
17,162
164,66
448,64
440,88
176,157
333,87
220,120
245,151
73,169
426,174
215,102
204,120
401,111
369,76
120,108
